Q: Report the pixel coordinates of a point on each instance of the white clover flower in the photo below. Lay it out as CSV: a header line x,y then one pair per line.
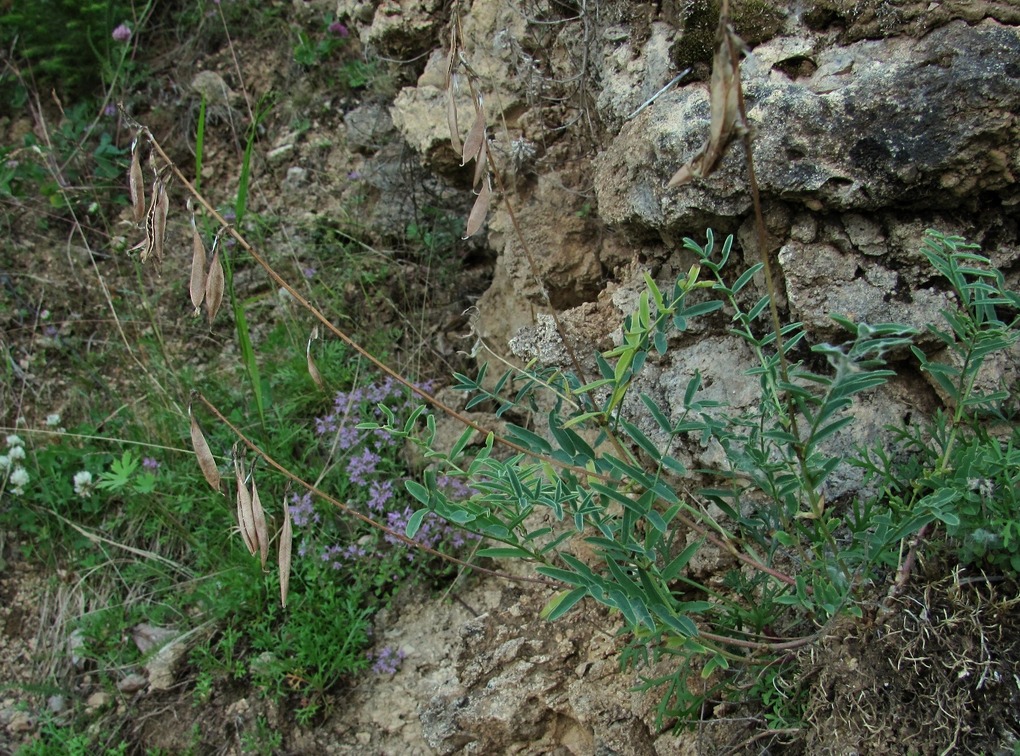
x,y
52,421
5,463
15,440
16,453
19,478
83,484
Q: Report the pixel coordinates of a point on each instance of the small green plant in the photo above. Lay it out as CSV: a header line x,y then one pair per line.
x,y
310,52
965,464
262,740
57,738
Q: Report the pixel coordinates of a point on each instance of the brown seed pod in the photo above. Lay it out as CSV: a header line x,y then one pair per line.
x,y
204,454
136,184
723,104
259,523
214,284
313,371
198,275
245,515
478,212
473,142
285,546
161,208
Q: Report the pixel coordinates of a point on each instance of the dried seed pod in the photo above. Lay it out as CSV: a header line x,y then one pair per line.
x,y
481,166
723,104
214,284
198,276
312,370
473,142
451,115
245,516
150,226
204,454
155,222
136,184
259,523
285,546
478,212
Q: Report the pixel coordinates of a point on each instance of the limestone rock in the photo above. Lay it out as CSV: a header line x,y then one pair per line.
x,y
863,146
402,28
821,280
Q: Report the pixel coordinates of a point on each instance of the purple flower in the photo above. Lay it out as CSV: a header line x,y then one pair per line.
x,y
387,660
302,511
122,33
339,30
362,465
150,464
308,272
354,175
110,110
379,494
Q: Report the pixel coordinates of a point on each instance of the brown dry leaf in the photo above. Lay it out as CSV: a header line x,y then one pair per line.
x,y
214,284
723,103
197,287
478,212
204,454
136,184
285,545
245,516
475,137
259,522
312,370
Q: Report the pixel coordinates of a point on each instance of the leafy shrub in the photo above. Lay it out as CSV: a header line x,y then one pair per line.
x,y
616,483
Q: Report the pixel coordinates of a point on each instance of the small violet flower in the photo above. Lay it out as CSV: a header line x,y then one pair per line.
x,y
362,465
122,33
339,30
302,512
387,660
150,464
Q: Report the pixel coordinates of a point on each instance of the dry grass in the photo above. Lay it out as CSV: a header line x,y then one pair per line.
x,y
940,676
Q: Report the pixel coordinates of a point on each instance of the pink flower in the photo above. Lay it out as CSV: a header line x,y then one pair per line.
x,y
122,33
338,29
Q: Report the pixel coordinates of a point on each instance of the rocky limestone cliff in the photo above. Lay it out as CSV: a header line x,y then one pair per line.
x,y
873,120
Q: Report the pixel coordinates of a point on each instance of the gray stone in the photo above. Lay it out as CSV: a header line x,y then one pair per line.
x,y
821,280
296,178
368,127
918,122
